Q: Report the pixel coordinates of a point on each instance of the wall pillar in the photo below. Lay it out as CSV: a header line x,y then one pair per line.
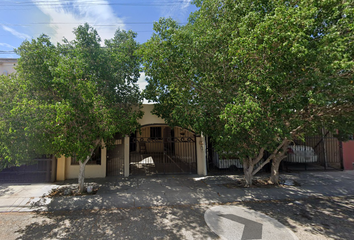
x,y
61,162
104,159
126,155
54,169
201,156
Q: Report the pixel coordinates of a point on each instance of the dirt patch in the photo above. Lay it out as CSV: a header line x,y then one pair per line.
x,y
71,191
260,183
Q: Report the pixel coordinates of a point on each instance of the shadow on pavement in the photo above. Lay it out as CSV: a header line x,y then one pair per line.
x,y
327,216
173,208
128,223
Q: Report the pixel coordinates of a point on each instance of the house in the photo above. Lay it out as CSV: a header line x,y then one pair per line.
x,y
156,148
7,65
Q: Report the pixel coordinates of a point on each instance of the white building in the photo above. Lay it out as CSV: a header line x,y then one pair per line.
x,y
7,65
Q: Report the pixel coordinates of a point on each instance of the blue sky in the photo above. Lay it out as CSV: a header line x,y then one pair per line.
x,y
27,19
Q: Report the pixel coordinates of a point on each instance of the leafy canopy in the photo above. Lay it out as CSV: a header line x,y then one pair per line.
x,y
72,97
253,73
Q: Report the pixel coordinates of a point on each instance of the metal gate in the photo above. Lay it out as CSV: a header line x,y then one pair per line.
x,y
42,170
169,155
115,159
328,151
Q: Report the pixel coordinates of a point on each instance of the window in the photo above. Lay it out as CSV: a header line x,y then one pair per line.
x,y
94,160
155,132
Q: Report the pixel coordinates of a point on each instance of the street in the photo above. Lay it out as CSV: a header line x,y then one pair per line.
x,y
309,218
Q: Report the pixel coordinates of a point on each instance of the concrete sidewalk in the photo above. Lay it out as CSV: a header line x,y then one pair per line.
x,y
170,191
19,197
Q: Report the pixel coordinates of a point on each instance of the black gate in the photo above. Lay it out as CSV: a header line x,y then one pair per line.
x,y
115,158
170,155
42,170
327,149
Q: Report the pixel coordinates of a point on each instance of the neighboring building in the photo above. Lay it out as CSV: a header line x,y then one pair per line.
x,y
7,65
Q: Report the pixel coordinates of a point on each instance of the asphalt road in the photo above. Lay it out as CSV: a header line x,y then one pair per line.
x,y
309,218
322,207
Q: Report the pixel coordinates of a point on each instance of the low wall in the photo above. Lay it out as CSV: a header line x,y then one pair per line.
x,y
348,155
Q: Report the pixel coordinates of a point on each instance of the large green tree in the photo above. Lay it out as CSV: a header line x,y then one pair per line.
x,y
15,141
254,75
77,95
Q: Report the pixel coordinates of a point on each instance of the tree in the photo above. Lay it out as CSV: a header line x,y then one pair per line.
x,y
302,54
79,94
11,125
254,75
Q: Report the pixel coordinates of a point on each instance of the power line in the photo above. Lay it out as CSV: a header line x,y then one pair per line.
x,y
53,4
72,23
137,31
7,52
98,2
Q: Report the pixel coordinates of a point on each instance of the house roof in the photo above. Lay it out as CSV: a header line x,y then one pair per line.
x,y
8,60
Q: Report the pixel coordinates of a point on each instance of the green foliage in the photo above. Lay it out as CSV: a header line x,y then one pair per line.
x,y
69,97
253,73
14,127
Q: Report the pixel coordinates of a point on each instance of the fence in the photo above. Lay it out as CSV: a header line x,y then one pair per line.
x,y
163,155
42,170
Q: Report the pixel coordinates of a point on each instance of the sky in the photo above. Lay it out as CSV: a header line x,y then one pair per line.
x,y
26,19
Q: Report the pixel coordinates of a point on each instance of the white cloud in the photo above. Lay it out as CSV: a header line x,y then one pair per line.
x,y
185,3
65,16
16,33
6,45
175,10
142,82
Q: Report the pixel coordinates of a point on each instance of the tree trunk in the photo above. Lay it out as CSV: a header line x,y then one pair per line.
x,y
274,174
247,171
248,177
81,177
